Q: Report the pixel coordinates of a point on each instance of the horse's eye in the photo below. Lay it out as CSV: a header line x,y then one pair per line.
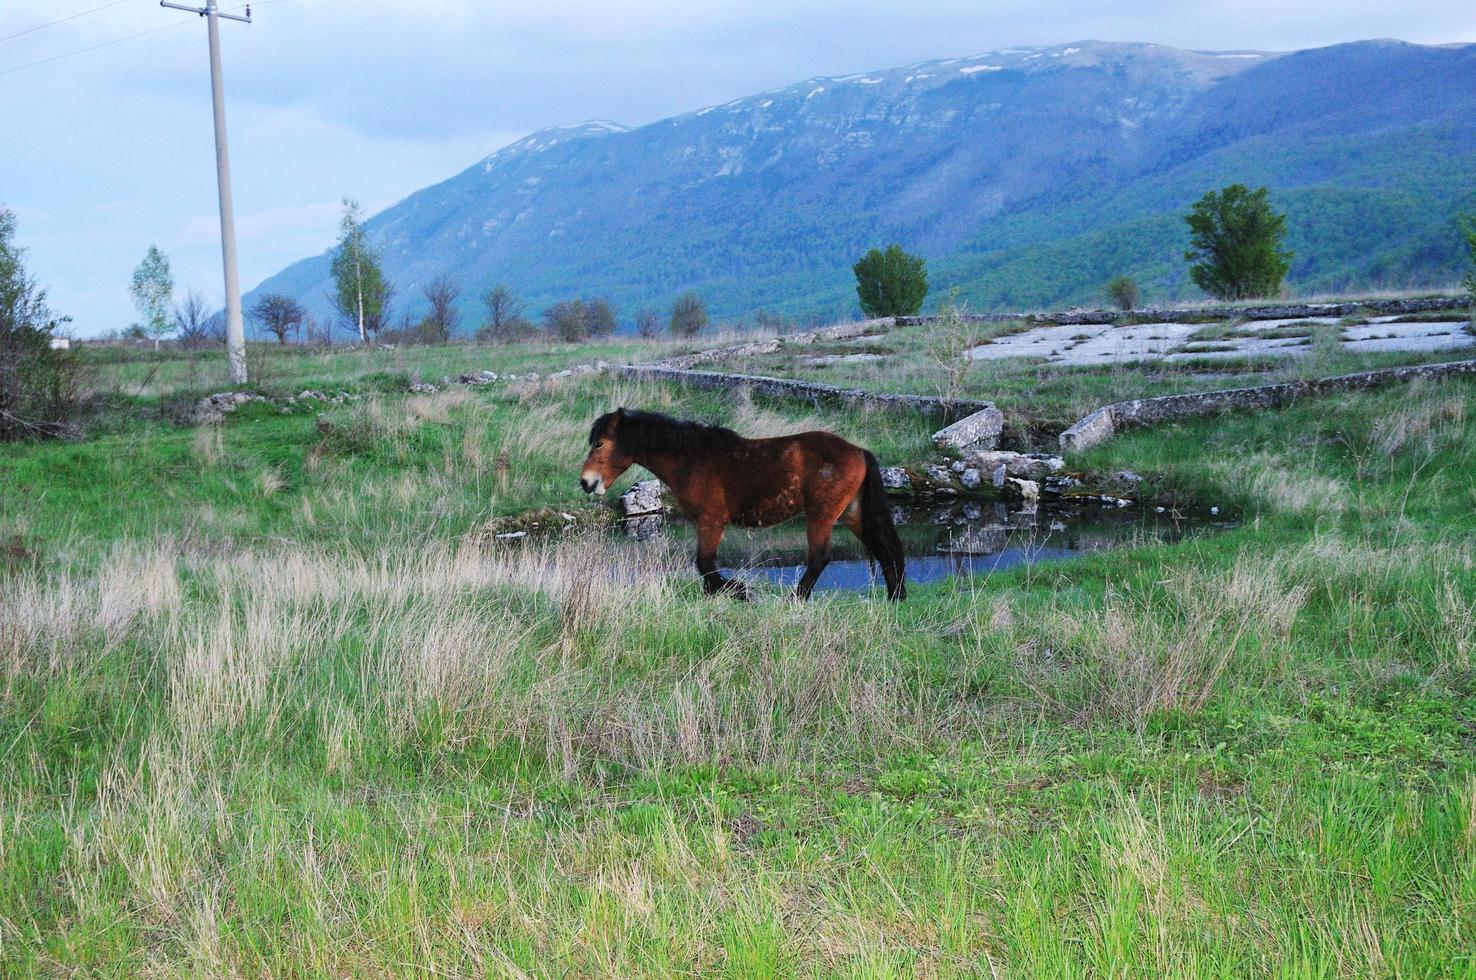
x,y
599,443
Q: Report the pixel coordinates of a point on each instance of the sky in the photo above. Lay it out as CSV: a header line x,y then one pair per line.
x,y
109,151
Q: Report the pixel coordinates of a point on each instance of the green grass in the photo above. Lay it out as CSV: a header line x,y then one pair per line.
x,y
267,708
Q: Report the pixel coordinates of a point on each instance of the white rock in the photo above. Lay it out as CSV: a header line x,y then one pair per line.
x,y
643,498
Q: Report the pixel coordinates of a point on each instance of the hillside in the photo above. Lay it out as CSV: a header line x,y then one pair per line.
x,y
1027,176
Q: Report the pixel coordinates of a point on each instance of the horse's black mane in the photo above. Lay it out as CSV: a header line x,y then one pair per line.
x,y
640,433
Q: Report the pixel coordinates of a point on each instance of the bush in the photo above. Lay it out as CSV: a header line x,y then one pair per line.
x,y
1235,244
1122,292
599,318
40,385
891,283
648,324
566,321
688,315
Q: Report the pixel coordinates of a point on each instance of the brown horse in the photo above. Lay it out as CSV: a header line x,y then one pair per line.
x,y
720,478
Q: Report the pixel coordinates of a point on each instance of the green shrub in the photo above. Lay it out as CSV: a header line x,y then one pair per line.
x,y
40,383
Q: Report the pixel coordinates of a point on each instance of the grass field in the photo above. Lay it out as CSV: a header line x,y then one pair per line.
x,y
1041,399
271,705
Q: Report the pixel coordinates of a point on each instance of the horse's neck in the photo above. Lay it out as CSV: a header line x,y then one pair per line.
x,y
671,469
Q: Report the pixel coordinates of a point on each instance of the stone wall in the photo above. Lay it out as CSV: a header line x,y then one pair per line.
x,y
805,391
749,348
1106,421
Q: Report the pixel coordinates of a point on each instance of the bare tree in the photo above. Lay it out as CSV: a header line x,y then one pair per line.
x,y
441,322
193,323
278,315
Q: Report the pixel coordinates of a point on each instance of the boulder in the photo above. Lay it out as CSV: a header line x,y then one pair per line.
x,y
970,478
895,478
1027,491
977,431
643,498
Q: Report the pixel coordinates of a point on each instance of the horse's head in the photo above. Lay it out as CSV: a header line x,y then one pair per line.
x,y
605,462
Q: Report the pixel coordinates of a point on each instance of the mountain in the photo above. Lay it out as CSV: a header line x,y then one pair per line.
x,y
1026,176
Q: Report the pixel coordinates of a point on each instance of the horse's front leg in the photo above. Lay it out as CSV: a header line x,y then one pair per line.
x,y
709,536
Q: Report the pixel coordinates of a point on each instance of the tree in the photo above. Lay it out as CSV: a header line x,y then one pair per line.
x,y
441,322
648,324
40,384
504,316
688,316
566,320
193,323
278,315
152,292
1235,244
360,293
1122,292
891,283
1468,229
599,318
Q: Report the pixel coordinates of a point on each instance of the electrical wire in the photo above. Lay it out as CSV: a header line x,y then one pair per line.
x,y
42,27
130,37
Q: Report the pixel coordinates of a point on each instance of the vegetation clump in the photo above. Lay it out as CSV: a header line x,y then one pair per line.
x,y
891,283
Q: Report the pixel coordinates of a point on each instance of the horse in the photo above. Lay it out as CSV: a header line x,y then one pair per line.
x,y
720,478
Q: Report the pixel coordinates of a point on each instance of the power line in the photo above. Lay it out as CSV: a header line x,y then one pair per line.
x,y
116,40
70,54
42,27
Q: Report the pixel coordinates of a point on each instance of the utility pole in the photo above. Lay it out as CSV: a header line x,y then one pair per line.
x,y
235,329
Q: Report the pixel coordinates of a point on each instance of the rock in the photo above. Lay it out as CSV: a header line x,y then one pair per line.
x,y
424,389
958,466
645,527
643,498
970,478
1093,430
939,474
1127,476
1214,510
901,515
1026,466
977,431
895,478
479,378
1023,490
213,408
998,474
512,535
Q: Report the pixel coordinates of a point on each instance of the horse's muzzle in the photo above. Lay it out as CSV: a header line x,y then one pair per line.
x,y
591,486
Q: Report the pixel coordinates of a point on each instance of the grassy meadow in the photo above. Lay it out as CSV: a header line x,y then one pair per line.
x,y
272,702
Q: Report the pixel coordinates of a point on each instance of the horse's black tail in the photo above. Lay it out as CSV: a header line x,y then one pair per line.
x,y
879,534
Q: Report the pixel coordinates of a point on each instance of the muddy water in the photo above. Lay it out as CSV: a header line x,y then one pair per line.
x,y
960,539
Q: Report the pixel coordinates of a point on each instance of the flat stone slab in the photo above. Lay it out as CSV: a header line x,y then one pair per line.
x,y
1088,344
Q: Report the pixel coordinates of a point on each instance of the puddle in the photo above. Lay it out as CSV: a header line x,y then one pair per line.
x,y
960,539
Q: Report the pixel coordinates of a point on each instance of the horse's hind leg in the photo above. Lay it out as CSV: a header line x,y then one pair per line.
x,y
709,536
817,533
